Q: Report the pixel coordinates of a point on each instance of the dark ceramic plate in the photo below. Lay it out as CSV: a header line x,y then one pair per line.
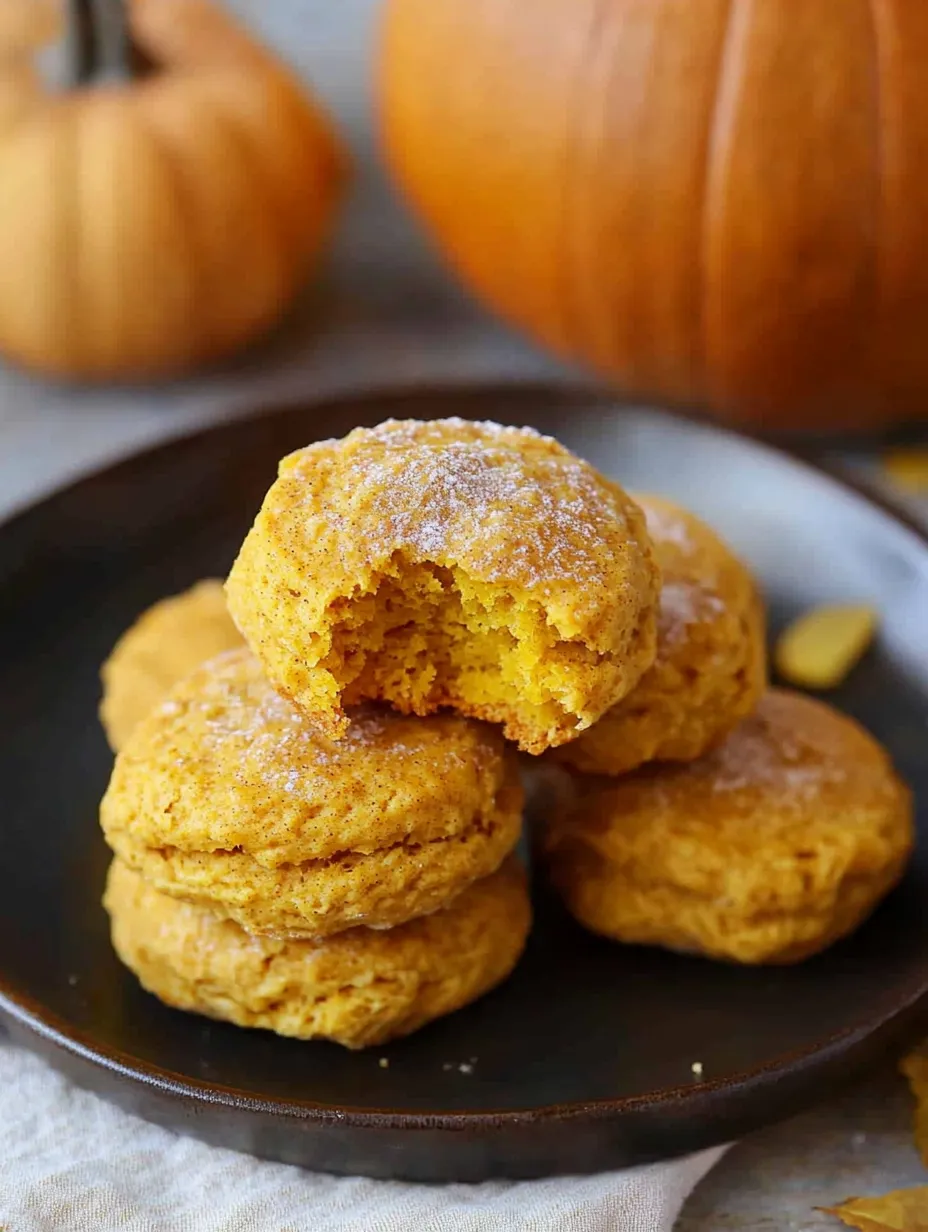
x,y
583,1060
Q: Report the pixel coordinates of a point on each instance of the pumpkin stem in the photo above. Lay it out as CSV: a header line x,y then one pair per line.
x,y
98,44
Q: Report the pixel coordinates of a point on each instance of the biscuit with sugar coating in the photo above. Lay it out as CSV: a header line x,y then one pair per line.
x,y
226,796
164,645
449,564
711,666
765,850
358,988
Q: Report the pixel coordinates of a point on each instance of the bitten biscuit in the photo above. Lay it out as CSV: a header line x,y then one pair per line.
x,y
359,988
226,796
766,850
449,564
164,645
711,667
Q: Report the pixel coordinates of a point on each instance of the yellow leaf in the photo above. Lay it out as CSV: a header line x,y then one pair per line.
x,y
820,647
907,469
915,1068
903,1210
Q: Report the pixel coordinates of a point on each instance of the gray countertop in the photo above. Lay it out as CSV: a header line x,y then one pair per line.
x,y
394,317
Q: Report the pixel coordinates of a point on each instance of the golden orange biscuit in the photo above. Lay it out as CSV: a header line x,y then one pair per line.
x,y
711,666
358,988
449,564
226,796
165,644
766,850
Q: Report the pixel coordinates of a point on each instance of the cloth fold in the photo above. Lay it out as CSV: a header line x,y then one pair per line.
x,y
69,1162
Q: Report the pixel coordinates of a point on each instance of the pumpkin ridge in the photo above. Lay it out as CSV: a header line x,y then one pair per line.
x,y
69,235
638,359
878,216
237,155
286,225
252,152
189,227
571,327
737,19
130,290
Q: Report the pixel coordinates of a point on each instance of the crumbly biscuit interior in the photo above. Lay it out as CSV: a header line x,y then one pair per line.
x,y
426,635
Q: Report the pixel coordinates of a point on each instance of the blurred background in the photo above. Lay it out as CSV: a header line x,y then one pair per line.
x,y
814,290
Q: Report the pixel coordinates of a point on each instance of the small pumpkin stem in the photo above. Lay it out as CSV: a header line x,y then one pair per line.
x,y
98,45
114,44
79,42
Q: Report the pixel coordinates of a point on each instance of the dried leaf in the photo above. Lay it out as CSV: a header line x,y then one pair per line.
x,y
903,1210
907,469
820,647
915,1068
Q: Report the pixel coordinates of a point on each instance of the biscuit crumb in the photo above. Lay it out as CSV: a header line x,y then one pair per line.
x,y
384,1062
696,1067
466,1068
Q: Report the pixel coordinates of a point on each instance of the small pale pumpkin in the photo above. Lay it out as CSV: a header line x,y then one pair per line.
x,y
722,202
157,221
26,24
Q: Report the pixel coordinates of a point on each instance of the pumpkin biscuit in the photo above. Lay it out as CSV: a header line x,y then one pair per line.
x,y
165,644
226,796
766,850
711,666
449,564
358,988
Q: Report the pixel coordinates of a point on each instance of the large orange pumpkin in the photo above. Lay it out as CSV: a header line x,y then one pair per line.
x,y
716,201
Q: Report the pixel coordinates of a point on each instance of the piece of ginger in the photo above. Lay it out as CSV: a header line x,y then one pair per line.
x,y
820,647
907,469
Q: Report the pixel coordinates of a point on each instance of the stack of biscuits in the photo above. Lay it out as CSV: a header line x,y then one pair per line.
x,y
316,795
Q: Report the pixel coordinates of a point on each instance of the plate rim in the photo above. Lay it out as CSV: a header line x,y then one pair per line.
x,y
38,1023
750,1082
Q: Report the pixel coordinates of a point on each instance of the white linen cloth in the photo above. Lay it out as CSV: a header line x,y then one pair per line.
x,y
69,1162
